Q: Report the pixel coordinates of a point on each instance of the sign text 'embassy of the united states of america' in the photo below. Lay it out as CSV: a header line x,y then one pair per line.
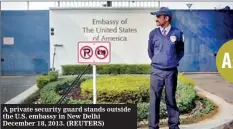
x,y
109,30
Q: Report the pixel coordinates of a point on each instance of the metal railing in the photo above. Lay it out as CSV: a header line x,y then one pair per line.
x,y
88,4
105,4
120,4
65,96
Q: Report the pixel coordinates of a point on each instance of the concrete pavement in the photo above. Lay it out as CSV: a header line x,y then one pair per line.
x,y
12,86
214,84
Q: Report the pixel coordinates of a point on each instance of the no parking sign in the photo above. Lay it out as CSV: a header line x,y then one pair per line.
x,y
86,52
94,52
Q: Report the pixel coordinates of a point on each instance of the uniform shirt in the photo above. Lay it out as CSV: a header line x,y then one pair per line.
x,y
166,51
168,28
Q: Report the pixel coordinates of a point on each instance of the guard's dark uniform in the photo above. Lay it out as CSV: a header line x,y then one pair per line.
x,y
165,53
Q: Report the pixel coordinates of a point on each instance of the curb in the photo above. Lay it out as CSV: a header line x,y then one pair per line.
x,y
25,96
225,115
221,120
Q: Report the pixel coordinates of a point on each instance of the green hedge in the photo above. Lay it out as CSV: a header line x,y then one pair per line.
x,y
49,93
208,106
53,75
108,69
143,108
186,96
133,89
118,69
42,80
119,89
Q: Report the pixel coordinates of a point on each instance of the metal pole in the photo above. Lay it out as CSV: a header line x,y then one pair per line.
x,y
54,53
27,5
1,47
58,3
94,84
1,37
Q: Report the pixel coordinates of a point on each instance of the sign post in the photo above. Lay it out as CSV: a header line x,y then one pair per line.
x,y
94,52
94,84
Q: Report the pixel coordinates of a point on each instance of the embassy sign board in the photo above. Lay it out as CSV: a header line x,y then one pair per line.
x,y
126,30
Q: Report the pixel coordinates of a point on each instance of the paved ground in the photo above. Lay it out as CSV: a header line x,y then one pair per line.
x,y
214,84
11,86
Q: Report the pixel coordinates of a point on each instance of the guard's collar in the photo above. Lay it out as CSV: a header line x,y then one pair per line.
x,y
167,28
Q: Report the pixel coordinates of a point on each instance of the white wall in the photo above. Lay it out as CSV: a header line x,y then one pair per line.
x,y
68,25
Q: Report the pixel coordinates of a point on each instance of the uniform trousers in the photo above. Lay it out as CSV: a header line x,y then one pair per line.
x,y
158,80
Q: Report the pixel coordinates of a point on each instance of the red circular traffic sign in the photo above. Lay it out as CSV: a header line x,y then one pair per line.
x,y
88,54
98,49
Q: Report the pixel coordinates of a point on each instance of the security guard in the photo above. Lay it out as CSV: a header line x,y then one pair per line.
x,y
165,49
